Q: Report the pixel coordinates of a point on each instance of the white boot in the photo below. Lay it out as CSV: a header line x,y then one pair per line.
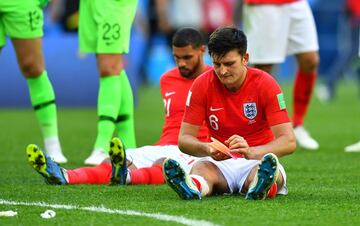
x,y
353,148
97,157
304,139
53,149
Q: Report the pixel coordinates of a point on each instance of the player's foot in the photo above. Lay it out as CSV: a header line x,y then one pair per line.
x,y
353,148
97,157
58,157
265,177
304,139
53,150
179,180
118,162
44,165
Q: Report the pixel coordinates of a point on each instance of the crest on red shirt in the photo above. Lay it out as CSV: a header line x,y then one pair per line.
x,y
250,110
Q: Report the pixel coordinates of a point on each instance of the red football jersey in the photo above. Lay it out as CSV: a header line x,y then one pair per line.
x,y
248,112
174,89
269,2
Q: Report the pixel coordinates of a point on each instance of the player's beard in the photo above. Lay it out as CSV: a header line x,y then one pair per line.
x,y
189,73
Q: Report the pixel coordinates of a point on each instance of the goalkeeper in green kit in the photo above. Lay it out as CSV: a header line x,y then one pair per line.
x,y
104,29
22,21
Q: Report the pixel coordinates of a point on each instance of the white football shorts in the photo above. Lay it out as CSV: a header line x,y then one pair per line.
x,y
236,171
146,156
275,31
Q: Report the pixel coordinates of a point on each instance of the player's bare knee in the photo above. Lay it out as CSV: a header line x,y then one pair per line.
x,y
204,169
212,175
31,68
108,70
309,63
109,65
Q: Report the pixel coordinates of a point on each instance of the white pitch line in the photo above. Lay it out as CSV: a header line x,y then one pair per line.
x,y
102,209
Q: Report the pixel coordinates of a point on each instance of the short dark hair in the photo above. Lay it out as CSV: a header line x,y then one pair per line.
x,y
188,36
225,39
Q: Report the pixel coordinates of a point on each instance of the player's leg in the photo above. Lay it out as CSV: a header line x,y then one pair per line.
x,y
109,67
304,44
125,119
262,178
111,22
143,163
99,174
108,105
148,167
23,23
56,175
149,173
208,178
304,84
205,178
30,59
118,40
142,169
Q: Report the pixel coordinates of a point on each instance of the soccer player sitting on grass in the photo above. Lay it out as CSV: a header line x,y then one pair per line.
x,y
188,50
244,108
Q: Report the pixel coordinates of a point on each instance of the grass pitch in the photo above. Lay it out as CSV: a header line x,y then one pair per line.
x,y
324,185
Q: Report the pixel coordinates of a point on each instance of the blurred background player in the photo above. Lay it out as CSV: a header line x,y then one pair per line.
x,y
104,29
145,168
22,21
276,28
243,108
345,61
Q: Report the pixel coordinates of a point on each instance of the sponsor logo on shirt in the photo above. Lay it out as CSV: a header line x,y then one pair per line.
x,y
215,109
250,110
167,94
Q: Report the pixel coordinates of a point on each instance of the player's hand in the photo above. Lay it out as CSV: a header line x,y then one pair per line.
x,y
43,3
238,144
216,154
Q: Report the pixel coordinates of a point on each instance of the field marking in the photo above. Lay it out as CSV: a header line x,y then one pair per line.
x,y
102,209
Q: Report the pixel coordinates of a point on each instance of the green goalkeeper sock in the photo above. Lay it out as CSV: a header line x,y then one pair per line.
x,y
108,108
125,118
43,101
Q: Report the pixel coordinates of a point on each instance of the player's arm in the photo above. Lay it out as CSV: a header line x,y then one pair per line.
x,y
188,142
191,145
283,144
277,117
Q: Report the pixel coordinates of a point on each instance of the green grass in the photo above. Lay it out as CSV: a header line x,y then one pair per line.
x,y
324,185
